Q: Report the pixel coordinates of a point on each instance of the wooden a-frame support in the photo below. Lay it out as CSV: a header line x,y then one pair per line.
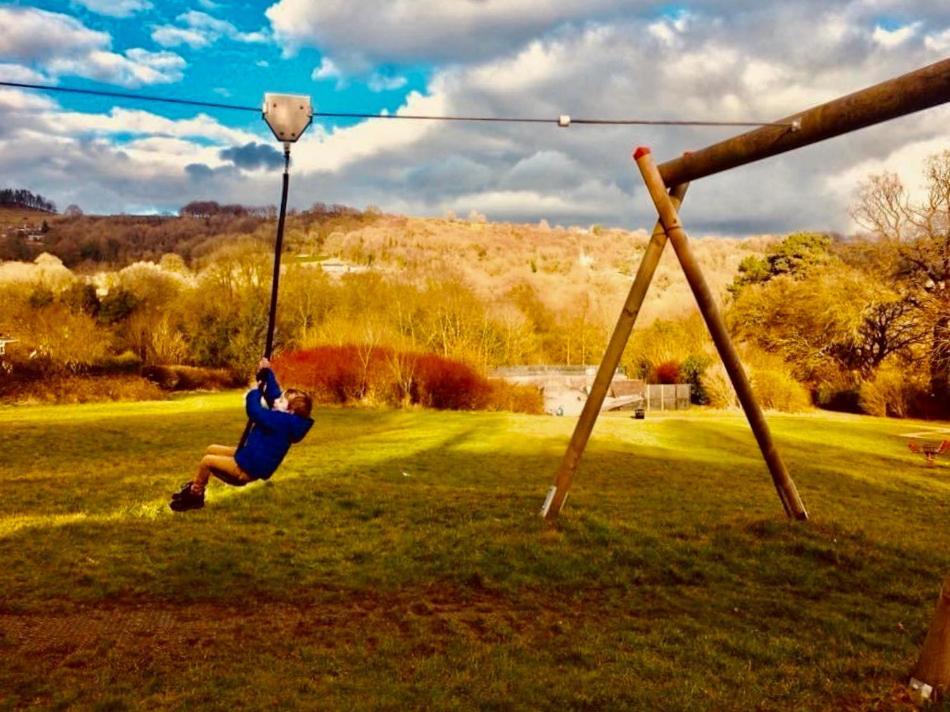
x,y
668,228
921,89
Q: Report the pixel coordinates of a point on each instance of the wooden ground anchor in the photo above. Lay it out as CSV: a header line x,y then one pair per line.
x,y
931,677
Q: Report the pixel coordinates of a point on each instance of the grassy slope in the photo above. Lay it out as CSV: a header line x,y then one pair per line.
x,y
397,560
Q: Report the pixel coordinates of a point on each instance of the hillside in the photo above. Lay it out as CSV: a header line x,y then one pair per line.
x,y
572,269
568,267
12,218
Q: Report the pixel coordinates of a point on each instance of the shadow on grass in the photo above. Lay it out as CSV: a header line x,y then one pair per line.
x,y
445,514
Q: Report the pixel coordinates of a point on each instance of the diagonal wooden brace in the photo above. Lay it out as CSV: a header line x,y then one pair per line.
x,y
787,492
618,341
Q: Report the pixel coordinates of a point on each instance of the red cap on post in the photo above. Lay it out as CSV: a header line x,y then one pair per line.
x,y
640,152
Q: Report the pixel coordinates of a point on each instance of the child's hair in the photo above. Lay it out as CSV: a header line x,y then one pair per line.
x,y
299,402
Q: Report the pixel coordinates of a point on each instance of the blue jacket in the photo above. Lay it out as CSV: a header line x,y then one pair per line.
x,y
272,432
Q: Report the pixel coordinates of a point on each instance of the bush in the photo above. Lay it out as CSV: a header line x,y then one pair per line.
x,y
691,371
126,362
776,389
332,374
718,387
836,390
446,384
86,389
895,393
515,398
192,378
772,383
667,372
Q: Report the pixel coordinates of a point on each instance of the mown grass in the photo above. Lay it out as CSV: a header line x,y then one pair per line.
x,y
397,561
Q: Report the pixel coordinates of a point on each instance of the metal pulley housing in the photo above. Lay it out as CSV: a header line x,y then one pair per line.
x,y
288,115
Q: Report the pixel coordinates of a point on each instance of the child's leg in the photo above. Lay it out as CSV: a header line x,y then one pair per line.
x,y
221,450
207,467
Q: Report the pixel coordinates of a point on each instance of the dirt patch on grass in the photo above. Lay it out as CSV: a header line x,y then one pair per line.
x,y
125,642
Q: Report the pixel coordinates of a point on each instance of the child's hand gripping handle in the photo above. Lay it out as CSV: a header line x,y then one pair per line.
x,y
261,379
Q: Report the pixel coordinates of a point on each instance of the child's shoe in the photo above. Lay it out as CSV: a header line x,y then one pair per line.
x,y
186,499
185,489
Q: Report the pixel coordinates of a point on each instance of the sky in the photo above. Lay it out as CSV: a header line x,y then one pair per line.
x,y
721,60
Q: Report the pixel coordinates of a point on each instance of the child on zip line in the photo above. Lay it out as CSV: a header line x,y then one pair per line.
x,y
278,420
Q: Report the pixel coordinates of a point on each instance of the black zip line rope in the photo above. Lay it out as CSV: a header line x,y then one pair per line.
x,y
412,117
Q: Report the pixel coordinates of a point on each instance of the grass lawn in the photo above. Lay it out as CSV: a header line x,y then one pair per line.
x,y
397,561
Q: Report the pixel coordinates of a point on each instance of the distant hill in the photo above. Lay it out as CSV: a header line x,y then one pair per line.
x,y
590,269
10,214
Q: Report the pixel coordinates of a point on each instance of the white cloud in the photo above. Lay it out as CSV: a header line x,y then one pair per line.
x,y
115,8
137,122
518,204
171,153
326,70
19,73
136,67
169,36
376,81
199,29
62,45
33,35
379,82
322,151
16,101
669,30
889,39
938,41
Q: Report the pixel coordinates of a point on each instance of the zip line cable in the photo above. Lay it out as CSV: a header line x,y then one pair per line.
x,y
562,121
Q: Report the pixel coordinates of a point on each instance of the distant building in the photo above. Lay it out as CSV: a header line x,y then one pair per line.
x,y
4,340
565,389
335,268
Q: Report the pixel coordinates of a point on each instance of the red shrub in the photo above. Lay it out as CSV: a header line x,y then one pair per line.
x,y
667,372
342,374
450,385
330,373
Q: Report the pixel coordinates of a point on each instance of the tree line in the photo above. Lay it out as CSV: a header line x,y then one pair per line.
x,y
22,198
91,242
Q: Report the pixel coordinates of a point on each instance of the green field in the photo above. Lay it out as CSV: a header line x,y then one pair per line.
x,y
397,561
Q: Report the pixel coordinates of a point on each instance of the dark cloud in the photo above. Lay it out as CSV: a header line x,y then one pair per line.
x,y
199,171
252,156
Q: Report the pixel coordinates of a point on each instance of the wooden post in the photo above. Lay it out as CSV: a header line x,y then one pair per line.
x,y
933,666
788,493
915,91
554,502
